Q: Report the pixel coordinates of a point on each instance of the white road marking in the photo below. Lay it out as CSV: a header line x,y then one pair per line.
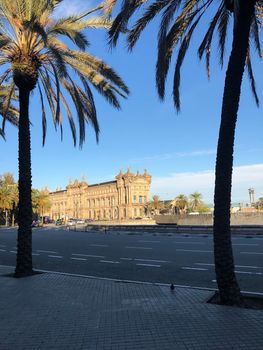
x,y
249,244
244,266
98,245
110,261
176,242
249,272
2,250
82,259
46,251
149,265
129,259
195,251
138,248
149,241
35,254
194,268
251,253
90,256
160,261
13,251
55,256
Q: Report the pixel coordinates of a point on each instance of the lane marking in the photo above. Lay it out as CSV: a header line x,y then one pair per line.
x,y
98,245
46,251
244,266
251,253
205,264
194,268
2,250
153,260
176,242
149,241
55,256
195,251
13,251
128,259
148,265
249,273
110,262
81,259
146,248
35,254
90,256
249,244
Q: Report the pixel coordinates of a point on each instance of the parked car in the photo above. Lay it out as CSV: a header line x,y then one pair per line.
x,y
71,222
36,223
80,221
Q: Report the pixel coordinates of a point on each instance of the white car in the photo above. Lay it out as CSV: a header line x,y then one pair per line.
x,y
71,222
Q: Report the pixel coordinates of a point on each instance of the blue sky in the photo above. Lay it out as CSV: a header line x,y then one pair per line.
x,y
177,149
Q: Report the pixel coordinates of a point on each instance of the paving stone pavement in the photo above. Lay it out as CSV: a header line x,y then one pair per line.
x,y
59,312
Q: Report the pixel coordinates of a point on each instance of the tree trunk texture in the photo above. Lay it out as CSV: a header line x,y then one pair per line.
x,y
6,217
224,262
24,237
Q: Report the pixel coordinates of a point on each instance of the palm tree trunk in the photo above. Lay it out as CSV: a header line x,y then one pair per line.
x,y
224,262
24,237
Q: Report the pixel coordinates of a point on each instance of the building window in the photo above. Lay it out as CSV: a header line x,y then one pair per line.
x,y
135,212
145,199
140,199
134,199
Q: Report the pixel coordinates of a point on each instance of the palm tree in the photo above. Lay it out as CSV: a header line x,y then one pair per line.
x,y
33,56
181,202
154,205
195,200
179,20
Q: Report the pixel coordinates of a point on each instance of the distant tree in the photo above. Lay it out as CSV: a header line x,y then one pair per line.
x,y
195,201
259,203
40,202
7,194
181,203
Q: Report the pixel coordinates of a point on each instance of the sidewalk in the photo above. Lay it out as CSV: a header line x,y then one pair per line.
x,y
54,311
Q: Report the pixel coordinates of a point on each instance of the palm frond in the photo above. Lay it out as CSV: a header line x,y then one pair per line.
x,y
100,67
255,35
166,45
44,119
222,33
148,16
251,78
206,43
180,58
10,90
119,25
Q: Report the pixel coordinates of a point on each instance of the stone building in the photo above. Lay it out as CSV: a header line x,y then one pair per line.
x,y
123,198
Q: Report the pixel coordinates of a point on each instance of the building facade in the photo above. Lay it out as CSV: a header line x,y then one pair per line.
x,y
123,198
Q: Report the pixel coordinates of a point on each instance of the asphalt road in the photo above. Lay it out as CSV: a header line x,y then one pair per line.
x,y
181,258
